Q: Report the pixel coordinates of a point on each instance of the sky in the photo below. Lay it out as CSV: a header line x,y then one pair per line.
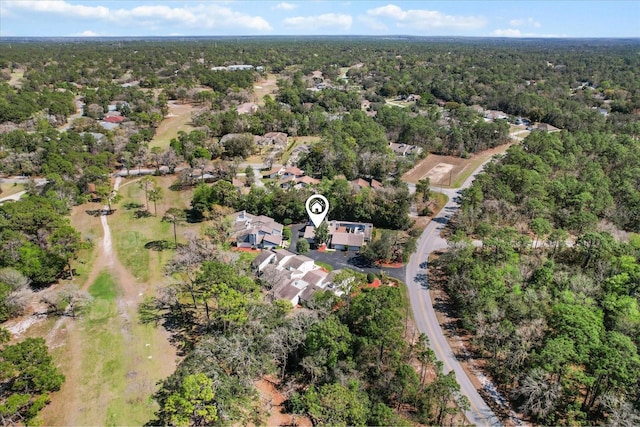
x,y
521,18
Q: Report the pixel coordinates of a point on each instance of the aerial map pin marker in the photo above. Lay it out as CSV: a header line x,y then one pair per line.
x,y
317,208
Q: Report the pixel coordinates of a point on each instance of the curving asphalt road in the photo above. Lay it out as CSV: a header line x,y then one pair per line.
x,y
424,314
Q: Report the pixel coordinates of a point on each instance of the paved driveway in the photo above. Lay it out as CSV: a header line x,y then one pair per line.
x,y
340,259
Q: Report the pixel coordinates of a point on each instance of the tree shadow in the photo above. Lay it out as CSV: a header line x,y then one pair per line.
x,y
159,245
100,212
132,205
141,213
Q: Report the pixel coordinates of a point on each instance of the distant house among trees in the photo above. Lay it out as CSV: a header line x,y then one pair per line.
x,y
275,139
404,149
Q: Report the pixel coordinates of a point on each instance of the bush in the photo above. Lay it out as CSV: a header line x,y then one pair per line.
x,y
371,277
302,246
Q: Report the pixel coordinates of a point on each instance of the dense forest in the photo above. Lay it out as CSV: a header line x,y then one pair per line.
x,y
551,296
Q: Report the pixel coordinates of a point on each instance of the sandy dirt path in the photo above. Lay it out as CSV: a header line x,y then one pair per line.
x,y
145,354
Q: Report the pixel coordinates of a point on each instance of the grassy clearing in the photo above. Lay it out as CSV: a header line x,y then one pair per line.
x,y
116,352
131,234
179,119
297,141
16,77
10,189
440,200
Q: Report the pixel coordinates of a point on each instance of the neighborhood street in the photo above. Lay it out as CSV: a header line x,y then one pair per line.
x,y
424,314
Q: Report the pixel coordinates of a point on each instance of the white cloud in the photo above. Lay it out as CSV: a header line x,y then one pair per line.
x,y
529,22
422,19
509,32
204,15
285,6
312,23
86,33
59,7
514,32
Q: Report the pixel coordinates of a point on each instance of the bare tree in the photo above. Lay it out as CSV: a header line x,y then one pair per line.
x,y
20,293
69,300
540,392
621,413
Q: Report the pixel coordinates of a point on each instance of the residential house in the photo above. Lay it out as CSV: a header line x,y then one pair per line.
x,y
241,67
359,184
252,231
114,119
305,181
545,127
292,171
276,139
274,172
495,115
349,235
404,149
284,173
344,235
292,277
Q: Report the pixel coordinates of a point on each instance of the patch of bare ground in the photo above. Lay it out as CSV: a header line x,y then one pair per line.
x,y
421,170
272,401
446,170
460,341
266,86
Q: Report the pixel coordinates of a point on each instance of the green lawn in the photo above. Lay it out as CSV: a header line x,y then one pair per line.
x,y
115,361
324,265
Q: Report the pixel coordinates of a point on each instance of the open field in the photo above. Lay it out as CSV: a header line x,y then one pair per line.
x,y
16,76
179,118
131,234
449,171
110,360
428,167
264,87
10,189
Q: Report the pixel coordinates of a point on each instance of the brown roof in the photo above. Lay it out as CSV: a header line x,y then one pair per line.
x,y
297,261
360,183
351,239
114,119
315,277
288,291
308,292
309,232
276,240
293,171
376,184
308,180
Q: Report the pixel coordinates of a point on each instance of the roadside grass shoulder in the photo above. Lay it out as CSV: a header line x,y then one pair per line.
x,y
324,265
